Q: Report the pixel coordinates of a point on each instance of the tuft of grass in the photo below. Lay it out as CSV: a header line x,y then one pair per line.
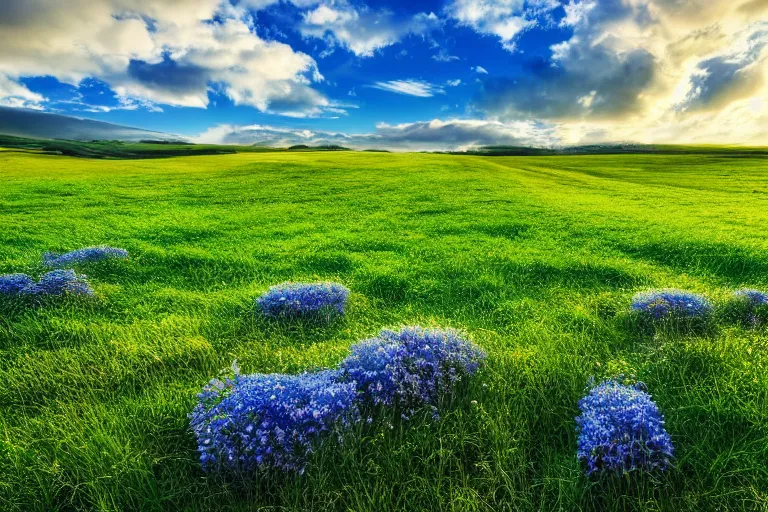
x,y
536,259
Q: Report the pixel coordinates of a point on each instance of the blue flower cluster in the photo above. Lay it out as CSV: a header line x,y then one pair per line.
x,y
85,255
15,284
56,282
620,429
748,306
302,299
753,297
251,422
59,282
410,368
671,303
257,422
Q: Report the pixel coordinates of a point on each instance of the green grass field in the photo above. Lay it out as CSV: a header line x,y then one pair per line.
x,y
536,259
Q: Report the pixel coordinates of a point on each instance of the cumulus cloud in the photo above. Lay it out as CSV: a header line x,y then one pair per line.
x,y
169,52
14,94
586,80
363,31
418,88
435,135
644,70
465,134
505,19
721,80
592,74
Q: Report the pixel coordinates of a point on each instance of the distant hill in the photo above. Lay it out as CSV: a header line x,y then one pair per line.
x,y
116,149
43,125
616,149
327,147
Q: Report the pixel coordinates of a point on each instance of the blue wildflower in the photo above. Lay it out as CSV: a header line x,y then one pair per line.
x,y
411,368
62,282
85,255
753,297
671,303
302,299
15,284
748,306
620,430
255,422
56,282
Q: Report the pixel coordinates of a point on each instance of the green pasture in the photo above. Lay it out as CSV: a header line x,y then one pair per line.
x,y
535,258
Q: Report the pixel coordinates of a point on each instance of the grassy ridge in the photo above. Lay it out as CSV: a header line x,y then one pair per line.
x,y
115,149
536,258
622,149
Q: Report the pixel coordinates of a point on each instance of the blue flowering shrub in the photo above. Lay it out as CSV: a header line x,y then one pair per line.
x,y
55,283
304,299
748,307
620,429
410,368
246,423
672,307
85,255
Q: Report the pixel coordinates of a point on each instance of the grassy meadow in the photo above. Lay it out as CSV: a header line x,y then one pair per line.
x,y
535,258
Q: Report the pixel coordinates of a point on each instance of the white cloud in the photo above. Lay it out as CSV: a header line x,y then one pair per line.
x,y
363,31
480,70
263,4
14,94
648,71
453,83
505,19
435,135
739,73
418,88
444,56
167,52
576,12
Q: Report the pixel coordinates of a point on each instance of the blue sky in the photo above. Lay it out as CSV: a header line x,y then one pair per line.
x,y
434,74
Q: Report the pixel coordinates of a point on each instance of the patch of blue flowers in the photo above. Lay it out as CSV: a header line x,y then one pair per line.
x,y
620,430
748,306
410,368
753,297
249,422
303,299
88,254
671,303
15,284
56,282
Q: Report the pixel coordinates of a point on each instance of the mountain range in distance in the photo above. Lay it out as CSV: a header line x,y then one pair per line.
x,y
44,125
